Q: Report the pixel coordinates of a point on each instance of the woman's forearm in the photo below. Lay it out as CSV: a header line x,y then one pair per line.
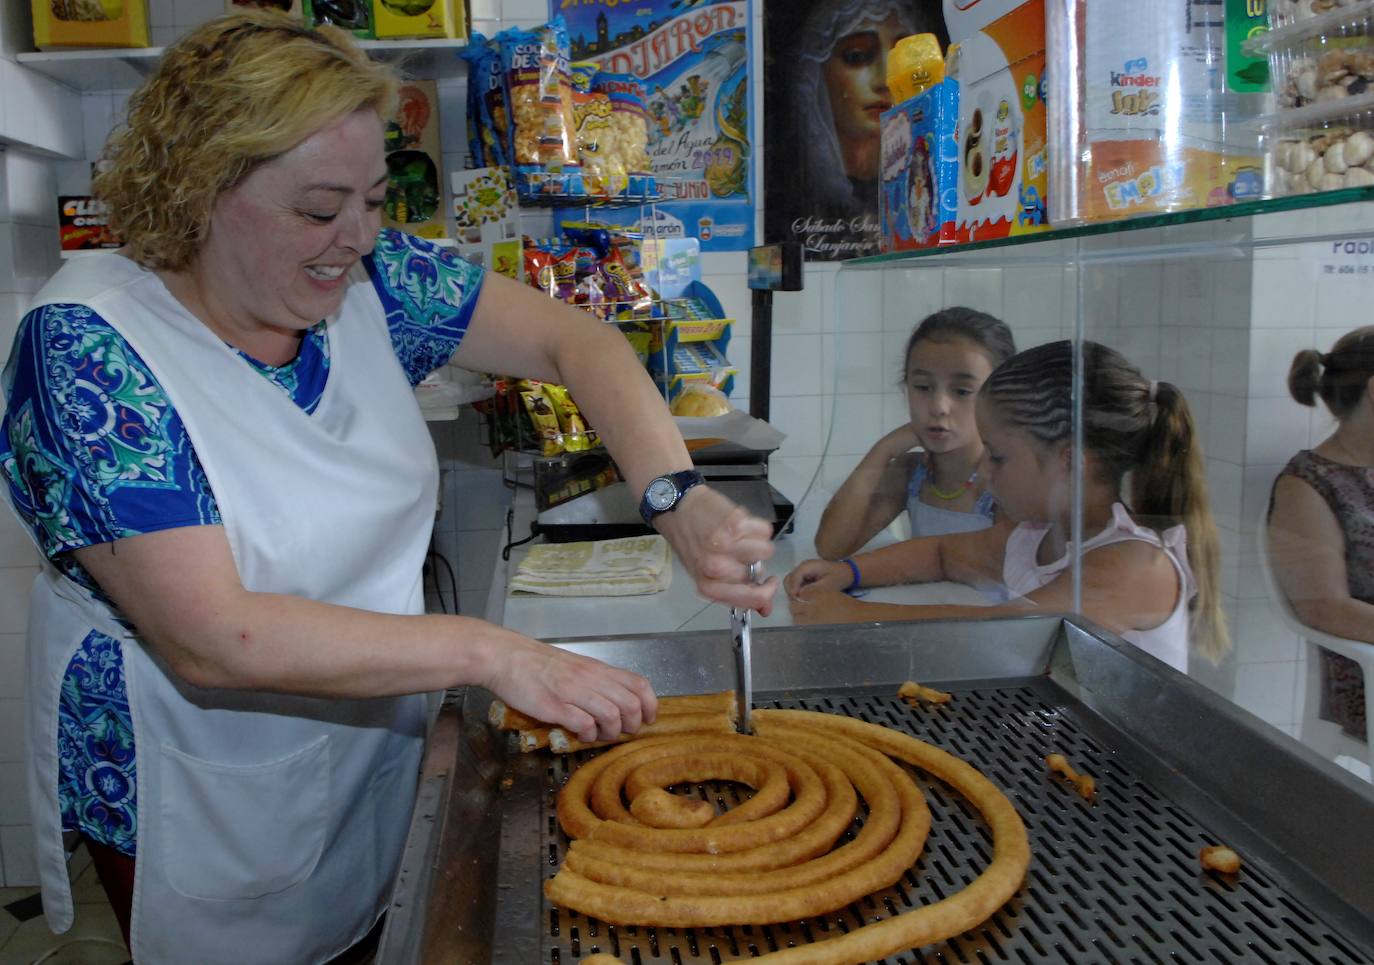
x,y
1344,617
287,644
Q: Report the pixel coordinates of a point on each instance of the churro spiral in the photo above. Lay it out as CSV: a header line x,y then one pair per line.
x,y
774,857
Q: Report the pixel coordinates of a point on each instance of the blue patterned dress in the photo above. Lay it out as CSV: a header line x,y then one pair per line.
x,y
92,451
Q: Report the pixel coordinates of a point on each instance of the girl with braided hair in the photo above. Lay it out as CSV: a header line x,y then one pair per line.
x,y
1149,567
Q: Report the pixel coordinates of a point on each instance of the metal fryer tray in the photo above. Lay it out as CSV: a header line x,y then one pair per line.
x,y
1116,881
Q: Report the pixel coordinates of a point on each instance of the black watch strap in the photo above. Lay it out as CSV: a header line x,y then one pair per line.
x,y
663,493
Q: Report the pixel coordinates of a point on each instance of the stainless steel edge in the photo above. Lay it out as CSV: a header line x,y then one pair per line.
x,y
1292,811
1220,760
795,659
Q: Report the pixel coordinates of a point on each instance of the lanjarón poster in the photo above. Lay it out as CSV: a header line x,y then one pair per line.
x,y
692,57
826,67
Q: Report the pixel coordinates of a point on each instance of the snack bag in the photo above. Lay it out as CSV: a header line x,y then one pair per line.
x,y
602,164
487,82
576,436
542,417
355,16
540,138
472,55
629,128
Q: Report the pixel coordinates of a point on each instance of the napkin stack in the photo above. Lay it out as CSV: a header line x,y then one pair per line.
x,y
610,567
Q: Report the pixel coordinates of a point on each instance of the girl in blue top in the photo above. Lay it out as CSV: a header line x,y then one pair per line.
x,y
928,466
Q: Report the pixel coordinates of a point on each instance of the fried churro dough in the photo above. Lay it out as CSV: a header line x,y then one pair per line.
x,y
656,881
1220,858
1085,785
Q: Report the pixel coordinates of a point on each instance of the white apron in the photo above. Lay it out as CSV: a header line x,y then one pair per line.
x,y
269,827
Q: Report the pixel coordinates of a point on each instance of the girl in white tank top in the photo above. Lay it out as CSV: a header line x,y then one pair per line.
x,y
1157,587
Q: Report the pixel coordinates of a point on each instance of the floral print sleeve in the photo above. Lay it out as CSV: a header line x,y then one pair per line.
x,y
428,293
91,447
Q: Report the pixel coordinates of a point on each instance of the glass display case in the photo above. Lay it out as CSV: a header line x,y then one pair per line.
x,y
1216,303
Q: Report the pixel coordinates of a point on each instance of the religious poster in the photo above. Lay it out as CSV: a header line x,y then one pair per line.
x,y
825,64
692,59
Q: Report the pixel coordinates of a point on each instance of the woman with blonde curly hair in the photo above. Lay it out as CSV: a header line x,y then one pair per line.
x,y
212,438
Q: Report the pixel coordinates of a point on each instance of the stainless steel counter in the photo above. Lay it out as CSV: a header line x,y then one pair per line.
x,y
1176,768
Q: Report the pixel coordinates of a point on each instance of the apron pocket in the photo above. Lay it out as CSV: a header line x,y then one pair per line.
x,y
239,831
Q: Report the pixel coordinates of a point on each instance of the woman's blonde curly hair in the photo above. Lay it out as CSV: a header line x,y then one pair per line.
x,y
226,98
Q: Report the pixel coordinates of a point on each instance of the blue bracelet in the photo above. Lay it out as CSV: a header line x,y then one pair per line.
x,y
853,568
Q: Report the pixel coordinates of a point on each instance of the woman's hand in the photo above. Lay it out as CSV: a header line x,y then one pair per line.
x,y
816,605
717,540
818,575
587,697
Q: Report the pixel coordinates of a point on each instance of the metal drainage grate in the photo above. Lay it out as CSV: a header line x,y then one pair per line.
x,y
1114,882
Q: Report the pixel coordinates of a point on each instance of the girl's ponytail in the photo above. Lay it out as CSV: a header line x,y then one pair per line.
x,y
1340,378
1170,481
1133,427
1305,376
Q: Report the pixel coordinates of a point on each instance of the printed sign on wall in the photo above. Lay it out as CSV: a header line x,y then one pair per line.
x,y
826,67
692,58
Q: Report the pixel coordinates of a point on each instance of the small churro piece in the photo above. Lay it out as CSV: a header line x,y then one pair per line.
x,y
1219,858
1085,785
662,809
913,693
534,734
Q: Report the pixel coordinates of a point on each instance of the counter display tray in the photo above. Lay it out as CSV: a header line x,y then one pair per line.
x,y
1117,880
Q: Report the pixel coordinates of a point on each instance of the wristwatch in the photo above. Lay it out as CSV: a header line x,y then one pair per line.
x,y
664,492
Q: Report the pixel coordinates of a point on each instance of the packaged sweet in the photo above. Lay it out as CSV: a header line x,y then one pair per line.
x,y
1001,136
919,203
629,128
414,196
547,434
90,23
576,436
540,138
603,165
355,16
914,64
419,18
699,401
473,55
1158,127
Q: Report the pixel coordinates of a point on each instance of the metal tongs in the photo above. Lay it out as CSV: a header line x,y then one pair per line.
x,y
744,681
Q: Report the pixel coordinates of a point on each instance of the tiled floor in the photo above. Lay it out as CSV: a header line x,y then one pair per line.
x,y
93,940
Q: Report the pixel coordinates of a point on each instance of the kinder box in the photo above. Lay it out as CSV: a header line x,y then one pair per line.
x,y
1001,135
290,7
1157,129
415,192
419,18
920,164
90,23
355,16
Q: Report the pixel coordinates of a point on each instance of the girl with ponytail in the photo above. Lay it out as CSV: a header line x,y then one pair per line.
x,y
1321,513
1150,566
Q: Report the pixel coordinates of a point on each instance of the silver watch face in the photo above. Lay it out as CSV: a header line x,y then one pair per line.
x,y
661,494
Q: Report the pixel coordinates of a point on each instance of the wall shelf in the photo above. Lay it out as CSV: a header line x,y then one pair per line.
x,y
125,68
1257,225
